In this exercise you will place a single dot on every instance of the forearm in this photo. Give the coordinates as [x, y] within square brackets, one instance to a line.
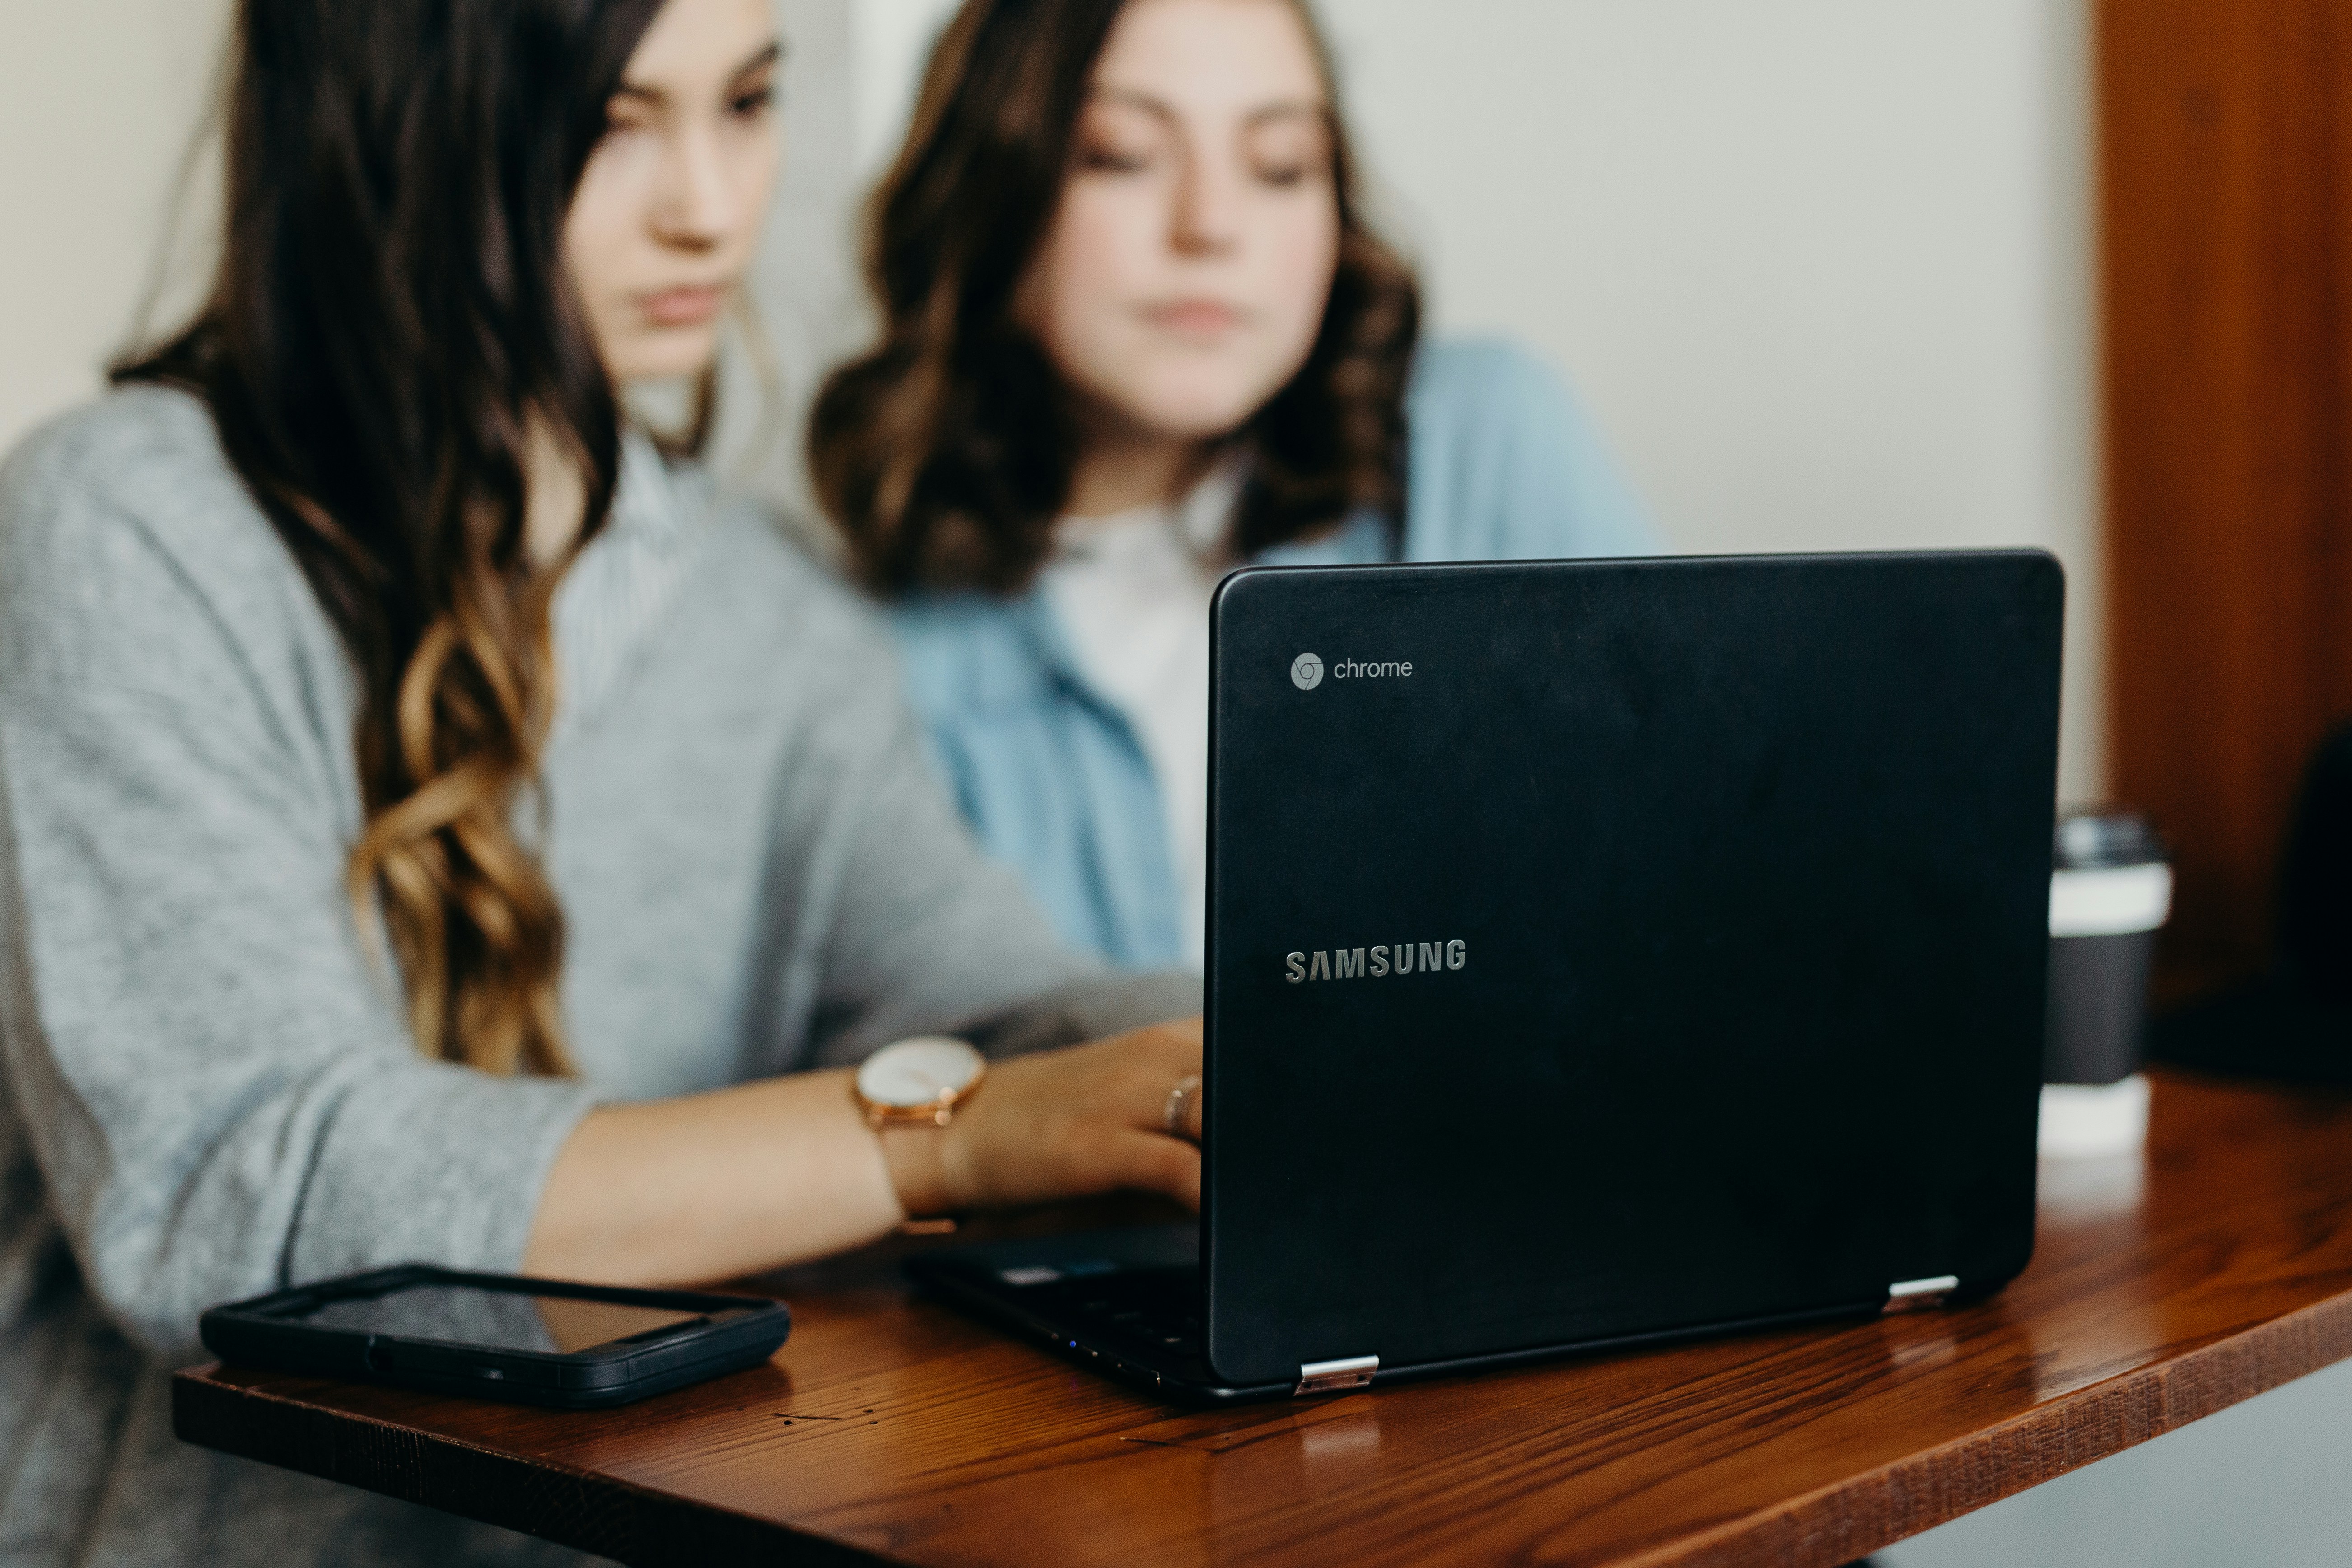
[713, 1186]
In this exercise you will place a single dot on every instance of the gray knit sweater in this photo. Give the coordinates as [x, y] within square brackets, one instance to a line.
[208, 1090]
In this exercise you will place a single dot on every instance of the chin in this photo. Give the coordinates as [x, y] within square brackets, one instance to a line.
[663, 355]
[1196, 412]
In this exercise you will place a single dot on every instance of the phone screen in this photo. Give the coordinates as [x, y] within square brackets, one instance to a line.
[498, 1319]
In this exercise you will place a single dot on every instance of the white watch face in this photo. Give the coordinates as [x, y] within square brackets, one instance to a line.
[931, 1070]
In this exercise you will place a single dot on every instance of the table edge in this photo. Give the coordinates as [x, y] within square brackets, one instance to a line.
[575, 1507]
[562, 1503]
[2098, 1421]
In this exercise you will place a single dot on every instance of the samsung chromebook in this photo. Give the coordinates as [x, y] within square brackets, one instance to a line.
[1599, 953]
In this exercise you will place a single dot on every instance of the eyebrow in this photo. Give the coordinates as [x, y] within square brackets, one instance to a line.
[1284, 109]
[759, 60]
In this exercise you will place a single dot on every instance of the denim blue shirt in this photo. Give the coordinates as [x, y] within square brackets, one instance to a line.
[1502, 465]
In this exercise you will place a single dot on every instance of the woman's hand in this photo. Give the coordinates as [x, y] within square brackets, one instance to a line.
[1061, 1125]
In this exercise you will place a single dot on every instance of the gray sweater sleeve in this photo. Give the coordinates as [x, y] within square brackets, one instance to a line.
[212, 1069]
[928, 935]
[922, 931]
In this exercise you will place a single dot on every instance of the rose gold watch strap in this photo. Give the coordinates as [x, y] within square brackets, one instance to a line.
[879, 1116]
[937, 1113]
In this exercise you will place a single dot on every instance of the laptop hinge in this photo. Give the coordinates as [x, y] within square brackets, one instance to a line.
[1330, 1376]
[1918, 1295]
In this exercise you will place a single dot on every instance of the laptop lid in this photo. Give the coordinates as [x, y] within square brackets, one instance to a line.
[1605, 948]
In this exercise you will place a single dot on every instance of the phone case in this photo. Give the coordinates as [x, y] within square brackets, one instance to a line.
[260, 1333]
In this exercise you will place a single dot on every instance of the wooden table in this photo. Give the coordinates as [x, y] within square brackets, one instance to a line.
[892, 1429]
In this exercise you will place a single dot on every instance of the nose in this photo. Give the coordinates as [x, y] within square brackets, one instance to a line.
[698, 207]
[1206, 220]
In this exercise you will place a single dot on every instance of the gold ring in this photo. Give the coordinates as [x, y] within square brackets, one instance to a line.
[1180, 1102]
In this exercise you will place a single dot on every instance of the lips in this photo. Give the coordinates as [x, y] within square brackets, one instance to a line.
[1193, 317]
[687, 306]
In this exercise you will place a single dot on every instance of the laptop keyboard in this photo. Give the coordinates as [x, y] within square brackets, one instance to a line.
[1155, 1310]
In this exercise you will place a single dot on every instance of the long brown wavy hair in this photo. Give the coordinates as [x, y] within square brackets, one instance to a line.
[945, 453]
[390, 320]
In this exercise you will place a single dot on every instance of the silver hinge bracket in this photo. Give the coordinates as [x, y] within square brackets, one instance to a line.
[1331, 1376]
[1918, 1295]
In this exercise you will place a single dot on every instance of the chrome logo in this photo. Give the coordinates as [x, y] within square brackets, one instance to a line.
[1307, 672]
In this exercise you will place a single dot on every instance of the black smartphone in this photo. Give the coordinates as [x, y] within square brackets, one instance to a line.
[499, 1336]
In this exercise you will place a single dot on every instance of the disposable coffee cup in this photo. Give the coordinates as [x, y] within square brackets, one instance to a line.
[2110, 894]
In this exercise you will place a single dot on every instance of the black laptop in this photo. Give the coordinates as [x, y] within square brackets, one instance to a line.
[1599, 953]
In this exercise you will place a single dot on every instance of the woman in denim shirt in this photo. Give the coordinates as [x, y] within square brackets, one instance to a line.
[1137, 334]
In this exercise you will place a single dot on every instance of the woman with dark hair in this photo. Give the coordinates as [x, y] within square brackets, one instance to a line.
[433, 824]
[1137, 331]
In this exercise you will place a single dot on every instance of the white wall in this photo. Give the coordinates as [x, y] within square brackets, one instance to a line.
[98, 99]
[1821, 267]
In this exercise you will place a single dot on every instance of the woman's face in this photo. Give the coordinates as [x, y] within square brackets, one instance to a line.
[670, 206]
[1183, 279]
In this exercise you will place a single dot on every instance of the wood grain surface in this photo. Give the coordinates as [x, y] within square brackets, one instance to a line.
[2225, 149]
[2162, 1288]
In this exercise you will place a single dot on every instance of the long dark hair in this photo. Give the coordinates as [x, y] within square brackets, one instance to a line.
[390, 318]
[945, 453]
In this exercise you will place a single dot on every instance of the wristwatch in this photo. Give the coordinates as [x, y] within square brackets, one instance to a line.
[918, 1082]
